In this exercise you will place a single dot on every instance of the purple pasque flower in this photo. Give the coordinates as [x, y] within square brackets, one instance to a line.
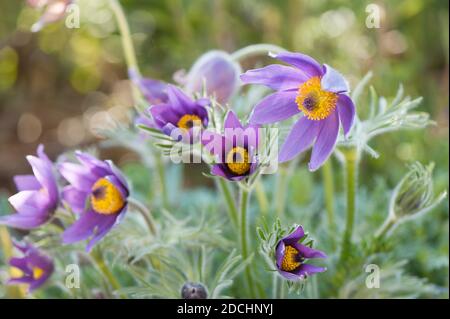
[54, 10]
[235, 151]
[98, 193]
[38, 195]
[290, 256]
[180, 115]
[33, 269]
[317, 91]
[214, 71]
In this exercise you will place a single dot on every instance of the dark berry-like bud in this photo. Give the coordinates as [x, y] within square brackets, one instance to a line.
[191, 290]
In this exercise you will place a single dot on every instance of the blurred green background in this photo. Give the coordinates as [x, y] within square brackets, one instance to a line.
[60, 86]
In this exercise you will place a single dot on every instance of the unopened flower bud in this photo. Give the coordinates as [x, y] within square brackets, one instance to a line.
[215, 72]
[191, 290]
[414, 195]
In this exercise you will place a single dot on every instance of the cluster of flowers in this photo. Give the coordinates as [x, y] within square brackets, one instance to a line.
[97, 191]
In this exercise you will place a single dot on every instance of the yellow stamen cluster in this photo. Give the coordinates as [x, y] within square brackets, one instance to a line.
[238, 161]
[188, 121]
[315, 103]
[37, 273]
[106, 198]
[290, 260]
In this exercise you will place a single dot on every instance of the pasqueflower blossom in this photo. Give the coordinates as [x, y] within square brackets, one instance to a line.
[214, 71]
[98, 193]
[317, 91]
[179, 113]
[33, 269]
[291, 255]
[235, 151]
[54, 10]
[38, 195]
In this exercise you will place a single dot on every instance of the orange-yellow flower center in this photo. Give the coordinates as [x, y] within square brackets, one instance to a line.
[106, 198]
[290, 260]
[37, 273]
[238, 161]
[188, 121]
[315, 103]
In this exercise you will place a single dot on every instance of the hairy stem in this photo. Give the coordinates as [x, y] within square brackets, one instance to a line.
[243, 224]
[351, 174]
[229, 201]
[162, 180]
[97, 257]
[385, 228]
[145, 212]
[255, 49]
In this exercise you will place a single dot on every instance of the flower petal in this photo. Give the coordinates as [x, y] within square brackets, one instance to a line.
[294, 237]
[232, 121]
[346, 110]
[308, 270]
[333, 81]
[178, 100]
[75, 198]
[325, 142]
[77, 175]
[309, 252]
[299, 139]
[275, 76]
[274, 108]
[153, 90]
[44, 174]
[24, 220]
[305, 63]
[26, 182]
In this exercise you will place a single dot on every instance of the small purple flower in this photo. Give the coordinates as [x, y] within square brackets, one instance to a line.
[98, 192]
[33, 269]
[54, 10]
[235, 151]
[290, 257]
[180, 114]
[317, 91]
[38, 195]
[214, 71]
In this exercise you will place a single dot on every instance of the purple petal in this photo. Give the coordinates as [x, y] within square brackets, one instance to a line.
[325, 142]
[275, 76]
[279, 253]
[97, 167]
[232, 121]
[26, 182]
[302, 61]
[77, 175]
[118, 174]
[299, 139]
[308, 252]
[43, 172]
[294, 237]
[346, 110]
[178, 100]
[333, 81]
[275, 107]
[308, 270]
[153, 90]
[75, 198]
[25, 220]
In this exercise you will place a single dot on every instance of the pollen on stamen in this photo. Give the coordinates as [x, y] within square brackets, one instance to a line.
[188, 121]
[106, 198]
[290, 260]
[238, 161]
[315, 103]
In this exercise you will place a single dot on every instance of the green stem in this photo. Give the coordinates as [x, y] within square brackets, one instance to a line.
[145, 212]
[244, 239]
[385, 228]
[282, 183]
[127, 43]
[229, 201]
[255, 49]
[97, 257]
[351, 174]
[262, 197]
[162, 180]
[328, 182]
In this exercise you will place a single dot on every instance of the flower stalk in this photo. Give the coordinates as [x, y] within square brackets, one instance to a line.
[243, 224]
[351, 156]
[228, 198]
[254, 50]
[328, 183]
[97, 257]
[145, 212]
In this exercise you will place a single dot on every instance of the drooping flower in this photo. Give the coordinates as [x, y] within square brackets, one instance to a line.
[214, 71]
[33, 269]
[180, 113]
[235, 151]
[98, 192]
[54, 10]
[38, 195]
[317, 91]
[291, 255]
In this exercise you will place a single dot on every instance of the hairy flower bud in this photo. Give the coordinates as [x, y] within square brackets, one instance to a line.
[191, 290]
[414, 195]
[215, 72]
